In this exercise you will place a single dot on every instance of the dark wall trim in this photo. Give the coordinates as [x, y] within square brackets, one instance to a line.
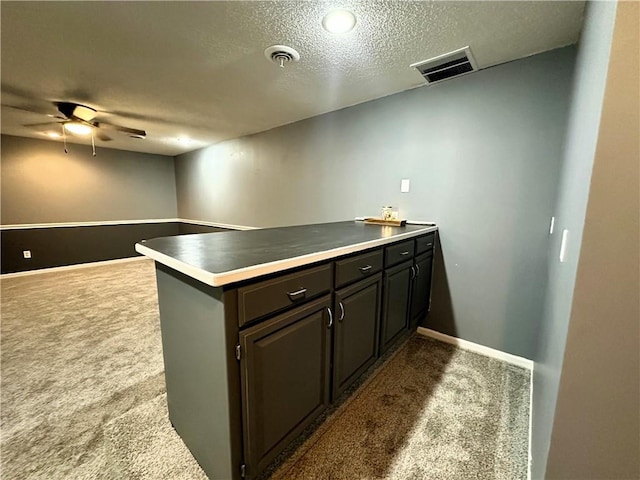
[62, 246]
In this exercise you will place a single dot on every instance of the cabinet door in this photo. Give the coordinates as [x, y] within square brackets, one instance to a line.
[285, 379]
[356, 335]
[421, 291]
[395, 309]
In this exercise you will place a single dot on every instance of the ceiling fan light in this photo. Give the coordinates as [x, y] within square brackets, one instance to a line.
[339, 21]
[78, 128]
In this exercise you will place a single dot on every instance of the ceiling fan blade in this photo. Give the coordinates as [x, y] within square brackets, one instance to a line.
[31, 110]
[103, 136]
[41, 124]
[132, 132]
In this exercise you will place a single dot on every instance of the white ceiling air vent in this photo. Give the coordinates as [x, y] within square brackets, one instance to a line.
[449, 65]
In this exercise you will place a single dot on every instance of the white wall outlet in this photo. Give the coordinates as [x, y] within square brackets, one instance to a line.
[26, 253]
[404, 185]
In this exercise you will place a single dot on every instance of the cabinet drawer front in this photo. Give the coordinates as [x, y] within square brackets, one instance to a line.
[263, 298]
[357, 268]
[399, 252]
[425, 243]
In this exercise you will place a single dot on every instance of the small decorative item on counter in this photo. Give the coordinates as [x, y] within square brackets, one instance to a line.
[388, 217]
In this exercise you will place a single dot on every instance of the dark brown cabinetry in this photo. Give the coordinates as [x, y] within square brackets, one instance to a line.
[356, 331]
[358, 267]
[269, 296]
[399, 252]
[285, 379]
[295, 363]
[397, 288]
[287, 365]
[421, 285]
[421, 288]
[425, 243]
[250, 365]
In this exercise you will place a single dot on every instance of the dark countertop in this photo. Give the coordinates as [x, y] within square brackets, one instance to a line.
[227, 257]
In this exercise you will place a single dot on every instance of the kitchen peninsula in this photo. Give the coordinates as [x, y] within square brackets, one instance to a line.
[263, 329]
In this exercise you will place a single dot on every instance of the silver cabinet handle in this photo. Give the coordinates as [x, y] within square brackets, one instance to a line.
[365, 269]
[341, 311]
[429, 244]
[297, 294]
[330, 318]
[404, 253]
[417, 269]
[413, 273]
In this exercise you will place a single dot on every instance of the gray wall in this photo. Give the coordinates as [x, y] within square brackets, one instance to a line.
[599, 396]
[40, 184]
[483, 153]
[584, 120]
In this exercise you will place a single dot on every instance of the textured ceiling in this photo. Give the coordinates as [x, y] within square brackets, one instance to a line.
[197, 69]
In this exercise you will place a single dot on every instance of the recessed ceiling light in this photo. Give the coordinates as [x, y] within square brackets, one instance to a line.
[339, 21]
[78, 128]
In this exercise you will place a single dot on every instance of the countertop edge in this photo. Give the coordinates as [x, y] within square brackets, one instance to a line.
[247, 273]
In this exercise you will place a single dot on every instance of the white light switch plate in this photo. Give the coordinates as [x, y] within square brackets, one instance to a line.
[404, 185]
[563, 245]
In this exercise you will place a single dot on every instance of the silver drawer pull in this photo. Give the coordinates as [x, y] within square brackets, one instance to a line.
[297, 294]
[404, 253]
[365, 269]
[429, 244]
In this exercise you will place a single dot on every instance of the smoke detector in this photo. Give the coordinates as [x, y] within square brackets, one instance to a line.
[281, 55]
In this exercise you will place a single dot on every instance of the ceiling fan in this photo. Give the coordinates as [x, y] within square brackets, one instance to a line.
[81, 120]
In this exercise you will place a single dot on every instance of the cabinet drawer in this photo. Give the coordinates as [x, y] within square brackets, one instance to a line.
[263, 298]
[357, 268]
[425, 243]
[398, 252]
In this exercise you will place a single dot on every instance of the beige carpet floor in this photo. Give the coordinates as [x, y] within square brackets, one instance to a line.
[82, 396]
[78, 348]
[432, 411]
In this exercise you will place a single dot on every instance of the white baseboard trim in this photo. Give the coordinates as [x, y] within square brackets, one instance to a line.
[101, 223]
[530, 424]
[215, 224]
[477, 348]
[71, 267]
